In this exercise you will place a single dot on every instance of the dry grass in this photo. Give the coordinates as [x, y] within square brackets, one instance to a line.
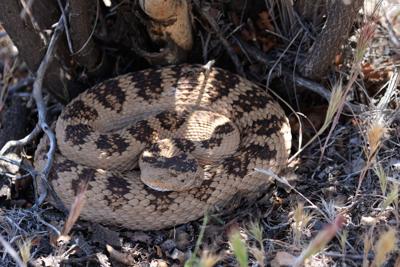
[385, 245]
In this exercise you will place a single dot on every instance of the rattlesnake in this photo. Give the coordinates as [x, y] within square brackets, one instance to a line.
[100, 131]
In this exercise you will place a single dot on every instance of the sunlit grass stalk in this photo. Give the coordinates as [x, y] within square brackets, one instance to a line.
[76, 209]
[380, 172]
[367, 248]
[193, 259]
[11, 251]
[320, 241]
[392, 197]
[334, 103]
[239, 248]
[74, 213]
[256, 232]
[375, 134]
[384, 246]
[208, 259]
[301, 220]
[343, 239]
[25, 250]
[366, 35]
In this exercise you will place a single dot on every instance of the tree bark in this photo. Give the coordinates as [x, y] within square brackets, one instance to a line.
[311, 11]
[338, 24]
[13, 121]
[82, 23]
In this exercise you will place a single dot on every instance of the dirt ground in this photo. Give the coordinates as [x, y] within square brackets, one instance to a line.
[337, 203]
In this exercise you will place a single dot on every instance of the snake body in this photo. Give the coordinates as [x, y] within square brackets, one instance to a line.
[101, 136]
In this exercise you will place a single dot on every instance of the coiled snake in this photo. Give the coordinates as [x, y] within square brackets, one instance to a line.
[159, 147]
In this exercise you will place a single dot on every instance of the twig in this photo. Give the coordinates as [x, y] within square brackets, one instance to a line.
[305, 28]
[11, 251]
[41, 107]
[284, 181]
[346, 256]
[27, 11]
[18, 143]
[315, 87]
[296, 60]
[390, 91]
[64, 17]
[83, 259]
[26, 8]
[38, 96]
[281, 56]
[204, 44]
[20, 165]
[96, 20]
[392, 35]
[15, 177]
[76, 208]
[11, 161]
[49, 225]
[322, 91]
[20, 84]
[312, 86]
[255, 52]
[366, 35]
[232, 54]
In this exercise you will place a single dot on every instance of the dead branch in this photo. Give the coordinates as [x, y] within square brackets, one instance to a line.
[216, 30]
[315, 87]
[42, 121]
[41, 106]
[338, 24]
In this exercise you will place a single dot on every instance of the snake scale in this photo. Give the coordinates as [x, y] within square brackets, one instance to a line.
[101, 136]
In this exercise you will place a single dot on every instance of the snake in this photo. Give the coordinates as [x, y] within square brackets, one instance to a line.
[162, 146]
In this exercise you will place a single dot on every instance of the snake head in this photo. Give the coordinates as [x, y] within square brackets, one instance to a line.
[164, 167]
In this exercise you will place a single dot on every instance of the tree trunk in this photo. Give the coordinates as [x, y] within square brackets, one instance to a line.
[338, 24]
